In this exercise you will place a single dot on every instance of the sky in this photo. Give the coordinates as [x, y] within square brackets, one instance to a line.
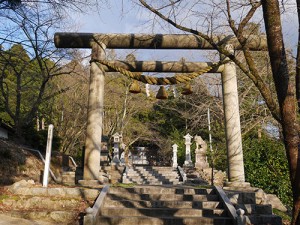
[116, 17]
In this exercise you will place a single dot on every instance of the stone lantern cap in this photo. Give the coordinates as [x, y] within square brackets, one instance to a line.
[175, 146]
[117, 137]
[188, 138]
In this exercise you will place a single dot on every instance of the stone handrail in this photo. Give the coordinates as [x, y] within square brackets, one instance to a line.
[42, 158]
[237, 215]
[182, 174]
[92, 214]
[73, 161]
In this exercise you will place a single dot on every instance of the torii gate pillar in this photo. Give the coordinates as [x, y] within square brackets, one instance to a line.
[236, 174]
[95, 116]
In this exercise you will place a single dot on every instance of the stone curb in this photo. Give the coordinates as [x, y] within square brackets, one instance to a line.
[57, 192]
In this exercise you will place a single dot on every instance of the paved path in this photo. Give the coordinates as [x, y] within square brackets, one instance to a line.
[8, 220]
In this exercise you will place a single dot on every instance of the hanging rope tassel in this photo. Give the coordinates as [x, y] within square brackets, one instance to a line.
[135, 87]
[162, 93]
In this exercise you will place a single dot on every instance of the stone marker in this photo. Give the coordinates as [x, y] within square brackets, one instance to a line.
[174, 159]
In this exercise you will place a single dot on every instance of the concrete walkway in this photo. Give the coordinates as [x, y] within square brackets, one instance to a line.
[5, 220]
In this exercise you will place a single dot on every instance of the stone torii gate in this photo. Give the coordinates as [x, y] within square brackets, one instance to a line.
[99, 42]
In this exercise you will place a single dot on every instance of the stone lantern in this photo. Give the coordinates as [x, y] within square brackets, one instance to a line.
[188, 160]
[117, 139]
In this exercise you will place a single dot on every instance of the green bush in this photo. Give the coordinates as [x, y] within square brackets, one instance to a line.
[266, 166]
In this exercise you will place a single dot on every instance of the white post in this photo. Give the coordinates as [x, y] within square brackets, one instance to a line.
[147, 90]
[188, 159]
[48, 155]
[209, 130]
[174, 159]
[232, 123]
[175, 94]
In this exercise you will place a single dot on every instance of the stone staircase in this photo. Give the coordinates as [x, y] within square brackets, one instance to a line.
[158, 205]
[151, 175]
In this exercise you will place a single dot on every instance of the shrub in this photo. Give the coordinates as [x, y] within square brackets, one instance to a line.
[266, 166]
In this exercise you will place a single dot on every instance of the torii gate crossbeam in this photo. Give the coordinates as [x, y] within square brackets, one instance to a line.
[99, 42]
[154, 41]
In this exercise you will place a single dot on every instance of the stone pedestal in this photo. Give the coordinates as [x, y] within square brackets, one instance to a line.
[237, 184]
[200, 158]
[68, 178]
[200, 153]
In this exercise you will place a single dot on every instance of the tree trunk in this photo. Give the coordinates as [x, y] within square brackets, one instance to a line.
[286, 97]
[298, 59]
[126, 156]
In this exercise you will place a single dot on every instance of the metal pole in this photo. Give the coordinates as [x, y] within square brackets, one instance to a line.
[48, 155]
[210, 147]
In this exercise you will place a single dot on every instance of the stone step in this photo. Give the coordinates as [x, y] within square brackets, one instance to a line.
[152, 176]
[147, 176]
[154, 167]
[265, 220]
[149, 179]
[39, 203]
[145, 182]
[163, 212]
[140, 179]
[164, 221]
[152, 171]
[90, 194]
[127, 181]
[166, 170]
[163, 204]
[164, 190]
[59, 217]
[256, 209]
[140, 182]
[163, 197]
